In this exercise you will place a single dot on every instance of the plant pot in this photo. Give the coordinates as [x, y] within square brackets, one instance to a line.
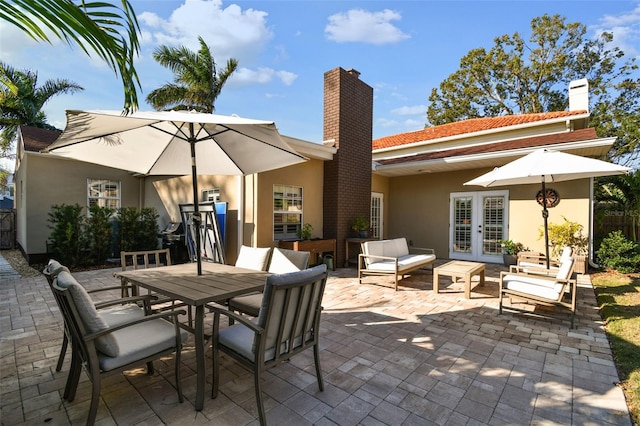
[363, 234]
[580, 266]
[510, 259]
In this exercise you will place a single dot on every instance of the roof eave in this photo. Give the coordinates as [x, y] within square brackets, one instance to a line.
[489, 159]
[483, 132]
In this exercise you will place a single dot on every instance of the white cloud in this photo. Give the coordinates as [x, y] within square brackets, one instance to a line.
[262, 75]
[385, 122]
[410, 110]
[625, 29]
[230, 32]
[359, 25]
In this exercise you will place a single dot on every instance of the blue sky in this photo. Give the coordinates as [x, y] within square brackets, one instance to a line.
[402, 49]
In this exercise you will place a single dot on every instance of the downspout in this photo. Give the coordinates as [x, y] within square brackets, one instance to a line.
[241, 207]
[591, 225]
[141, 191]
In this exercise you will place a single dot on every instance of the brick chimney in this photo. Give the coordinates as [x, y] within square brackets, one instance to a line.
[348, 123]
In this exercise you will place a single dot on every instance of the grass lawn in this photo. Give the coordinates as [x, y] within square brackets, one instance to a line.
[619, 300]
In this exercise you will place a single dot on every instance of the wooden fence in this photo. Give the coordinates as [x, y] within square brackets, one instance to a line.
[7, 229]
[614, 220]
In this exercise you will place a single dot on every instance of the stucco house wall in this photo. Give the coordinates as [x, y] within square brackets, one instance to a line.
[53, 181]
[419, 208]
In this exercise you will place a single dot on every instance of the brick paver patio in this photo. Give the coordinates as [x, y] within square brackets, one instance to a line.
[389, 358]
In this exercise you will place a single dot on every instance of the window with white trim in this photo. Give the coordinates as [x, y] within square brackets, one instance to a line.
[103, 193]
[211, 195]
[287, 211]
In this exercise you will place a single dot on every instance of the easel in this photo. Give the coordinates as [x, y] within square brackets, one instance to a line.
[211, 230]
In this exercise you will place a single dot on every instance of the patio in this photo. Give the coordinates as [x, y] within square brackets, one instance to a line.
[410, 357]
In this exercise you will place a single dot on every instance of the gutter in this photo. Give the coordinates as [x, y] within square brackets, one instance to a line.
[592, 228]
[486, 132]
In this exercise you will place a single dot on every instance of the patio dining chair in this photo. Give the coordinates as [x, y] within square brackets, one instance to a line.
[114, 311]
[145, 259]
[142, 259]
[288, 323]
[103, 350]
[540, 289]
[282, 261]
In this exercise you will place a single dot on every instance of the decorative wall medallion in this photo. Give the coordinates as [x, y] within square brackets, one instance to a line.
[552, 196]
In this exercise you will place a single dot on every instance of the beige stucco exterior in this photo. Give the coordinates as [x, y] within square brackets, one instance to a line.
[418, 208]
[249, 198]
[54, 181]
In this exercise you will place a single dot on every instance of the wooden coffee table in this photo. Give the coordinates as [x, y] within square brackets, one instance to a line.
[459, 269]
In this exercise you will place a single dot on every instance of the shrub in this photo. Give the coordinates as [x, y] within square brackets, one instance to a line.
[98, 233]
[138, 229]
[567, 234]
[66, 237]
[619, 253]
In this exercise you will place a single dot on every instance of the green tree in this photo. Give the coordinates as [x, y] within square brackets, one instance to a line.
[197, 82]
[518, 77]
[99, 27]
[621, 192]
[22, 100]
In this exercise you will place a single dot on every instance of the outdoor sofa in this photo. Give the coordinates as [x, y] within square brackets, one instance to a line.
[392, 257]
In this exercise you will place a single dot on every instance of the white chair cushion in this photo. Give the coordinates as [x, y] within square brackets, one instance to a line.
[248, 304]
[565, 269]
[88, 313]
[284, 261]
[255, 258]
[120, 314]
[534, 286]
[54, 268]
[566, 254]
[240, 338]
[140, 341]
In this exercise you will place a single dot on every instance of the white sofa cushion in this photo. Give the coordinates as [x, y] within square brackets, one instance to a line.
[404, 262]
[396, 247]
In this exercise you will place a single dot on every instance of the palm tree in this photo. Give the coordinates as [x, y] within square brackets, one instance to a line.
[97, 27]
[622, 192]
[21, 101]
[196, 84]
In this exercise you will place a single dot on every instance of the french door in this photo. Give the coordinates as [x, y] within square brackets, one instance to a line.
[478, 221]
[377, 207]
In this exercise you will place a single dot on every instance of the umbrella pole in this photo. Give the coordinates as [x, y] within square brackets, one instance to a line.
[545, 216]
[196, 208]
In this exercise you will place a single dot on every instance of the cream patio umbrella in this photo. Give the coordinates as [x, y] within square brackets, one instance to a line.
[543, 166]
[174, 143]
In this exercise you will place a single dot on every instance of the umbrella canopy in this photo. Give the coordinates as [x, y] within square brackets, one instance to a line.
[174, 143]
[547, 165]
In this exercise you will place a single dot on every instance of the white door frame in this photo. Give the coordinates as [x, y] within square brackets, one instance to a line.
[377, 226]
[483, 245]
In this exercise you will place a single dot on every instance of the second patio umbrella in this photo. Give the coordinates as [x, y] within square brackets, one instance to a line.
[543, 166]
[174, 143]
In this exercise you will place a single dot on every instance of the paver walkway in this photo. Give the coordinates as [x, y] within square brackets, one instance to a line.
[389, 358]
[7, 273]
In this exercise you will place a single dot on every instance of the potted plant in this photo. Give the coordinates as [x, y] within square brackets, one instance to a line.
[569, 234]
[510, 250]
[361, 225]
[305, 231]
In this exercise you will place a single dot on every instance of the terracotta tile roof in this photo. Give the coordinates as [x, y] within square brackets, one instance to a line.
[536, 141]
[467, 126]
[36, 139]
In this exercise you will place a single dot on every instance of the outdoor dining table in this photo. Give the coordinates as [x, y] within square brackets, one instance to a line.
[217, 283]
